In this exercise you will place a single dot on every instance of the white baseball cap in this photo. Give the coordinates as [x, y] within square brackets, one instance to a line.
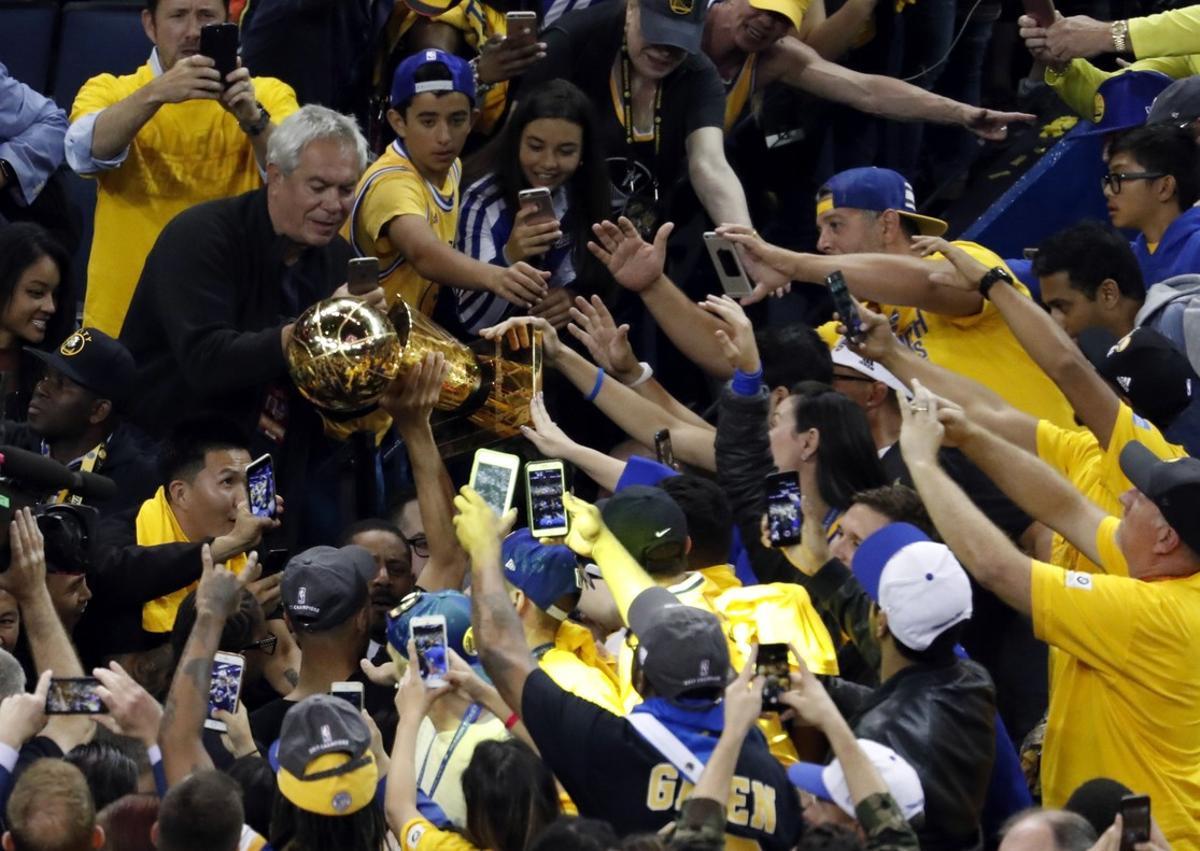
[845, 356]
[918, 583]
[828, 782]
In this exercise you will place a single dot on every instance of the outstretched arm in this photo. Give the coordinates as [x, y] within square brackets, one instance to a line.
[717, 185]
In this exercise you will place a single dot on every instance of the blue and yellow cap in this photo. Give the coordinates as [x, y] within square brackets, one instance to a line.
[405, 86]
[545, 573]
[876, 189]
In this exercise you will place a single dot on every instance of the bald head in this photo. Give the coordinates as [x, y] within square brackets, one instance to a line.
[1047, 830]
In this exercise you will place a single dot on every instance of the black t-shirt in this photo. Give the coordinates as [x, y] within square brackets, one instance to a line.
[612, 773]
[581, 47]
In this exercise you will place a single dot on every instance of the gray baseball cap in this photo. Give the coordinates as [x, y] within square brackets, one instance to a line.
[324, 586]
[680, 648]
[1178, 104]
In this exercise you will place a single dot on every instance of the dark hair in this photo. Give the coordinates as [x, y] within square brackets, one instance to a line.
[572, 833]
[588, 191]
[847, 461]
[294, 829]
[1166, 149]
[791, 354]
[829, 837]
[939, 652]
[152, 6]
[1071, 831]
[110, 772]
[709, 518]
[239, 629]
[898, 503]
[184, 453]
[127, 822]
[426, 73]
[203, 812]
[370, 524]
[21, 245]
[510, 795]
[257, 781]
[1090, 253]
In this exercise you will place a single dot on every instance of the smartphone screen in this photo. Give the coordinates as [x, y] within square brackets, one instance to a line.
[362, 275]
[74, 696]
[846, 309]
[224, 688]
[545, 486]
[429, 635]
[219, 42]
[662, 447]
[260, 482]
[350, 692]
[772, 663]
[784, 519]
[1135, 820]
[494, 482]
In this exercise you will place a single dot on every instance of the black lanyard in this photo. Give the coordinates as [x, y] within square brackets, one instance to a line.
[627, 104]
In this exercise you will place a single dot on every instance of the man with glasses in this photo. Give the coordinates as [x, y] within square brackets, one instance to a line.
[1150, 187]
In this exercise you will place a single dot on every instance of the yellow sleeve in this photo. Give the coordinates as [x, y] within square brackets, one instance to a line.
[1173, 33]
[398, 193]
[276, 96]
[1073, 452]
[990, 259]
[421, 835]
[1092, 616]
[1128, 428]
[1078, 82]
[97, 93]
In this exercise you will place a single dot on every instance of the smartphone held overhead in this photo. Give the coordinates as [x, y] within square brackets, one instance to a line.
[494, 478]
[433, 656]
[545, 484]
[225, 687]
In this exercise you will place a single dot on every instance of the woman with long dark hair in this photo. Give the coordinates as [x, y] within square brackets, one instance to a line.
[550, 143]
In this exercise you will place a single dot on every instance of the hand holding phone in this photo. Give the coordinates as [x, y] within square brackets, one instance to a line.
[843, 303]
[494, 478]
[545, 483]
[1135, 821]
[362, 275]
[728, 264]
[225, 687]
[540, 199]
[521, 28]
[219, 42]
[260, 482]
[433, 657]
[784, 517]
[74, 696]
[349, 691]
[772, 664]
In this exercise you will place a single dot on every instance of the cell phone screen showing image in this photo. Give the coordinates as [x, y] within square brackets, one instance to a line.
[74, 696]
[783, 509]
[432, 658]
[226, 683]
[772, 663]
[260, 481]
[662, 448]
[492, 483]
[545, 499]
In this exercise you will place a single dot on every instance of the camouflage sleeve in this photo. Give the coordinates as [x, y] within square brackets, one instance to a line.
[701, 825]
[884, 825]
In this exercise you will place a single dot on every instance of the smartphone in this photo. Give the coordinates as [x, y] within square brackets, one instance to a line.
[225, 687]
[545, 482]
[521, 27]
[844, 304]
[1135, 820]
[350, 692]
[728, 265]
[494, 477]
[362, 275]
[772, 664]
[433, 660]
[662, 447]
[260, 482]
[539, 198]
[219, 42]
[784, 519]
[74, 696]
[1042, 11]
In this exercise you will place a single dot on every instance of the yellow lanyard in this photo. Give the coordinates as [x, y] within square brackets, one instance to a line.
[87, 464]
[627, 103]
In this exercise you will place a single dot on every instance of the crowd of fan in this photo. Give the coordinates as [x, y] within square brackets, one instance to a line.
[988, 616]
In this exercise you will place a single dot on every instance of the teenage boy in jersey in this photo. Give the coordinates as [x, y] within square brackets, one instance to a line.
[406, 205]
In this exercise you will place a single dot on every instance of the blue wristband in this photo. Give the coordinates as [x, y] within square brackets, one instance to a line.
[746, 383]
[596, 388]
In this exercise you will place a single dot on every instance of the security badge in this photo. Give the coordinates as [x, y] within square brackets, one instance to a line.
[74, 344]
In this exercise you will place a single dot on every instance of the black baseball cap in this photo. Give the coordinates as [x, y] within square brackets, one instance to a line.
[1172, 485]
[1155, 376]
[1178, 104]
[94, 360]
[323, 760]
[650, 525]
[680, 648]
[323, 586]
[675, 23]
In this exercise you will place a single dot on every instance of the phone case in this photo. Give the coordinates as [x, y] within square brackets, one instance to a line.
[725, 260]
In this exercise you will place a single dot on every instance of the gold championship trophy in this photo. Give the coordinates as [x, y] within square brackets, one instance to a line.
[344, 353]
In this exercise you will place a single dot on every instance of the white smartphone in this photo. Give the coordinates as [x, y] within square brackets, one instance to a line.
[350, 692]
[545, 483]
[260, 482]
[728, 265]
[521, 27]
[225, 688]
[433, 659]
[539, 198]
[494, 477]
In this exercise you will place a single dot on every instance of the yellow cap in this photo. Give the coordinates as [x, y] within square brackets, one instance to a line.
[338, 793]
[793, 10]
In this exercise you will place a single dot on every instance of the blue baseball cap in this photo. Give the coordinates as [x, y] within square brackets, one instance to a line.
[1123, 101]
[545, 573]
[405, 87]
[876, 189]
[453, 605]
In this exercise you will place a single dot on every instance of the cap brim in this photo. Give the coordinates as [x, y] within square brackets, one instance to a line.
[646, 605]
[682, 32]
[1138, 464]
[808, 776]
[1101, 129]
[926, 225]
[54, 359]
[789, 10]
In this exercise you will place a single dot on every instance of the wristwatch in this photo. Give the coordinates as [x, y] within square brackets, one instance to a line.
[1120, 36]
[991, 278]
[259, 124]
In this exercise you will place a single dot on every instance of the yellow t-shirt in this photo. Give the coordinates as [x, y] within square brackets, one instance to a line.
[574, 663]
[392, 187]
[186, 154]
[1124, 704]
[422, 835]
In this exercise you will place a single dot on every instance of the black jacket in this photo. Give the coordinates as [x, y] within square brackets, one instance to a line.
[940, 719]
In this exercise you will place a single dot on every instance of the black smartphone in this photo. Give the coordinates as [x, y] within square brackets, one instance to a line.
[362, 275]
[219, 42]
[260, 481]
[74, 696]
[1135, 820]
[1042, 11]
[846, 309]
[662, 447]
[784, 519]
[772, 663]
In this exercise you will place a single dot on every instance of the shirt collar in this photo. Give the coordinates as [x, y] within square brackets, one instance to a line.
[155, 63]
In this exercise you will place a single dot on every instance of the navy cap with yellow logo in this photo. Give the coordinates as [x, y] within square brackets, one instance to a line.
[1123, 101]
[95, 361]
[675, 23]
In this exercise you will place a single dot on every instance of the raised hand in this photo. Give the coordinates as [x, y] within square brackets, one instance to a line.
[479, 529]
[736, 339]
[545, 434]
[743, 698]
[520, 283]
[133, 711]
[807, 698]
[555, 307]
[921, 433]
[23, 715]
[220, 589]
[606, 341]
[411, 398]
[586, 525]
[518, 332]
[191, 78]
[26, 575]
[531, 238]
[238, 96]
[634, 263]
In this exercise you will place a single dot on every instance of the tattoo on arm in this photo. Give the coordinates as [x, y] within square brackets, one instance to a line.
[292, 677]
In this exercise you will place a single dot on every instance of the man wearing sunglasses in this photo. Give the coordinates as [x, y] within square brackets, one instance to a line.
[1150, 187]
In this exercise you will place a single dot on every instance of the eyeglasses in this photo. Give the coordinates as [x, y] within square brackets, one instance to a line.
[1112, 180]
[266, 645]
[419, 544]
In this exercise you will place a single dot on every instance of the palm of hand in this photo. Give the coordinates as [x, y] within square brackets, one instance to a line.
[636, 265]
